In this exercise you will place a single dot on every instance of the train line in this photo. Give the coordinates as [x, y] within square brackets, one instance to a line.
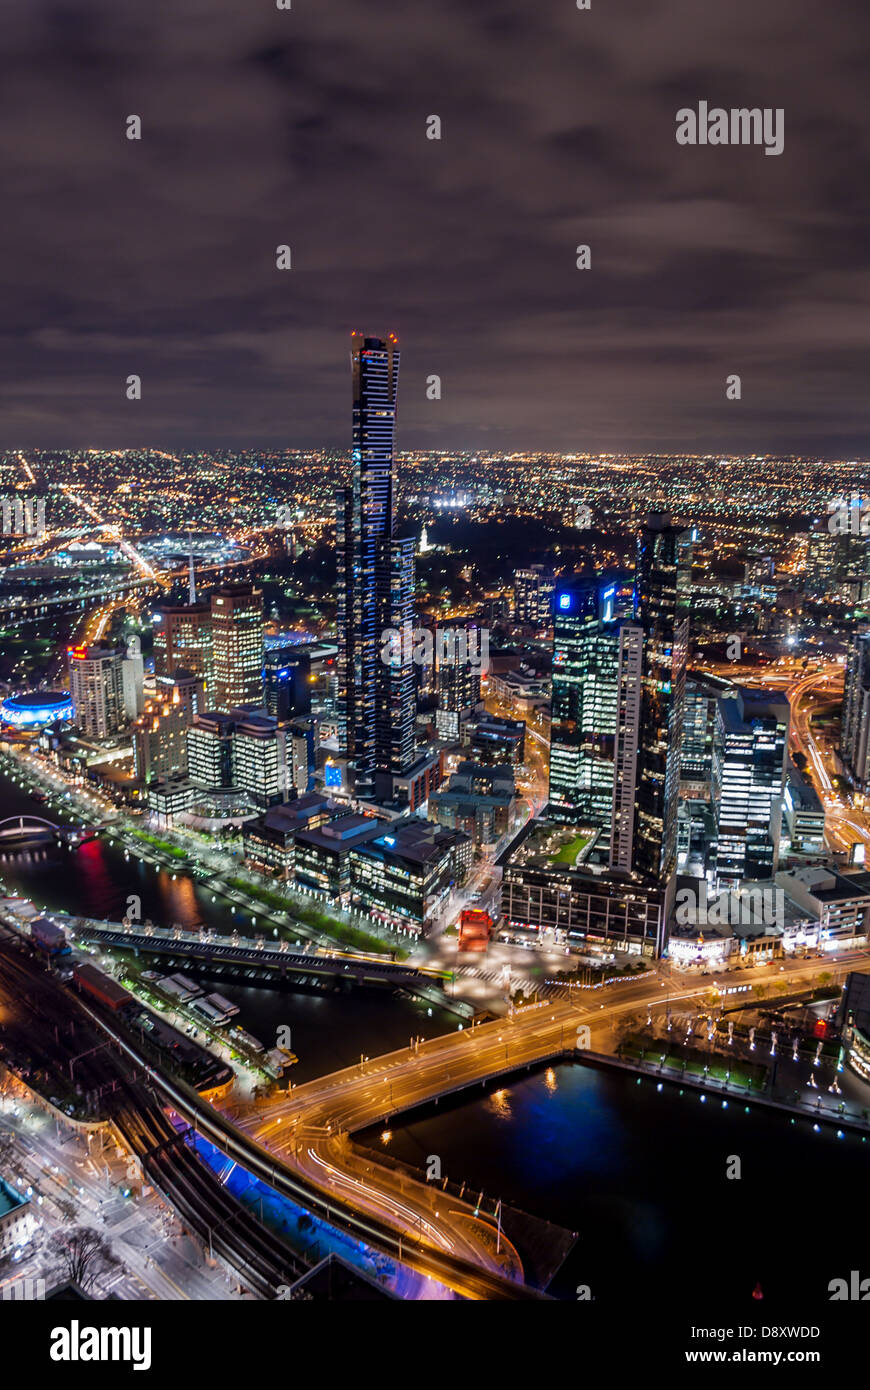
[262, 1260]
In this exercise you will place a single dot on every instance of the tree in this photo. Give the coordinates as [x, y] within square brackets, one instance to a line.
[82, 1255]
[66, 1208]
[627, 1024]
[7, 1148]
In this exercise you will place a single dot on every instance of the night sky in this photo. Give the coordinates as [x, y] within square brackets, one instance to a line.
[264, 127]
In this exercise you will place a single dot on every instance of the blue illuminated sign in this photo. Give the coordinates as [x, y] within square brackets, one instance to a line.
[30, 711]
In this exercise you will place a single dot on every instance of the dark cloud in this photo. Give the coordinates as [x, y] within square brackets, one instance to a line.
[307, 127]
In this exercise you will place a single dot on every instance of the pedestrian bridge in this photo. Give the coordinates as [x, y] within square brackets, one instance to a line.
[27, 829]
[269, 958]
[20, 827]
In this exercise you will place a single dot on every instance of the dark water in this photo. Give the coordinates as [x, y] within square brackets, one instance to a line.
[328, 1031]
[640, 1175]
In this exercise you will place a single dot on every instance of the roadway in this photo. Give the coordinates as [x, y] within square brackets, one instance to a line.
[309, 1128]
[843, 825]
[138, 1111]
[300, 1143]
[159, 1261]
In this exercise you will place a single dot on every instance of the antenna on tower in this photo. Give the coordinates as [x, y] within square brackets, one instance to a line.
[192, 583]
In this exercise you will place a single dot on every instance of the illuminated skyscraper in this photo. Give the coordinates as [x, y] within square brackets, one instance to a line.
[533, 595]
[182, 638]
[376, 700]
[749, 770]
[237, 647]
[96, 686]
[583, 727]
[457, 684]
[651, 693]
[855, 736]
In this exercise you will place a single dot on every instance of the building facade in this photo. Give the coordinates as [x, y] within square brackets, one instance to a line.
[182, 637]
[651, 695]
[287, 682]
[583, 721]
[749, 768]
[160, 734]
[97, 690]
[237, 647]
[376, 692]
[855, 728]
[406, 873]
[533, 595]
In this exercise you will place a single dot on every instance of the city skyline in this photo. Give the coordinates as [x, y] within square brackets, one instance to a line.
[435, 673]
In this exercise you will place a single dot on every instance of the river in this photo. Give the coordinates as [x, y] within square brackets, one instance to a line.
[641, 1175]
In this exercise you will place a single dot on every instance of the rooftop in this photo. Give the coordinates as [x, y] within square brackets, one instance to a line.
[826, 885]
[10, 1199]
[342, 833]
[417, 841]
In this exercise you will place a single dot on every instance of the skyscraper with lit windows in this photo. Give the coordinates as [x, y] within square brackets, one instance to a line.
[653, 651]
[583, 724]
[237, 647]
[376, 699]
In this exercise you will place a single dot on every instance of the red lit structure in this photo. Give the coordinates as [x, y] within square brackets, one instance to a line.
[475, 929]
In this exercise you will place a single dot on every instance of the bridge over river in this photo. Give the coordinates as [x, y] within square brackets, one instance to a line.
[255, 955]
[22, 831]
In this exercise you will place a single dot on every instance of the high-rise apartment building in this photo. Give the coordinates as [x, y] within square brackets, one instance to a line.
[651, 693]
[97, 689]
[376, 699]
[533, 595]
[160, 734]
[457, 687]
[855, 728]
[703, 694]
[749, 770]
[182, 638]
[583, 720]
[237, 647]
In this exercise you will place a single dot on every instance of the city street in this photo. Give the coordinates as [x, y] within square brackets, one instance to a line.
[88, 1173]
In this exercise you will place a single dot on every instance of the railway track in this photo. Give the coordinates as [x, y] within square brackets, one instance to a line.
[262, 1260]
[245, 1252]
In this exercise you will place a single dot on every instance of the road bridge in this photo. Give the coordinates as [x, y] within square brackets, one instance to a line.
[442, 1247]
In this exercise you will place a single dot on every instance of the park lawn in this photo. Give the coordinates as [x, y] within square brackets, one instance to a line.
[568, 853]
